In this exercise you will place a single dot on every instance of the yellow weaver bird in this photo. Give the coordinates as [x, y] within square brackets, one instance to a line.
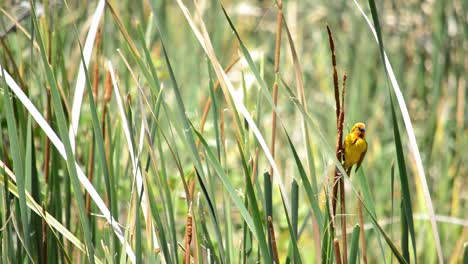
[355, 147]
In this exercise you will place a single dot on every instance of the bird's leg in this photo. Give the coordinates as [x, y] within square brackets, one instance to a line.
[348, 171]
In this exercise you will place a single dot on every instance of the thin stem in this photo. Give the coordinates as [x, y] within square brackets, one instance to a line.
[338, 113]
[336, 246]
[279, 22]
[362, 233]
[188, 236]
[273, 240]
[343, 222]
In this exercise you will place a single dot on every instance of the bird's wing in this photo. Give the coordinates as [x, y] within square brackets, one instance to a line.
[349, 141]
[361, 159]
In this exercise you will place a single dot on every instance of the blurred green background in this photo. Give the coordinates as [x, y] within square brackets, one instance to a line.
[426, 43]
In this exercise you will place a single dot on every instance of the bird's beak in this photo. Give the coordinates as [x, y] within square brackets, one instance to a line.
[362, 130]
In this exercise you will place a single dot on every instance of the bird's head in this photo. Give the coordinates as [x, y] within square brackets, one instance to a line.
[359, 129]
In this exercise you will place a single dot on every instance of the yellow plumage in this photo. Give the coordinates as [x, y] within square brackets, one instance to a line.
[355, 147]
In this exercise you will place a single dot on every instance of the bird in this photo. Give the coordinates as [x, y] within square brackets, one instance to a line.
[355, 147]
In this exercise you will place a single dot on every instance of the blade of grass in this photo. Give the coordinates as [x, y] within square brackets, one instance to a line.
[295, 213]
[213, 214]
[36, 208]
[465, 253]
[229, 89]
[407, 121]
[297, 255]
[16, 151]
[301, 92]
[311, 196]
[367, 196]
[134, 153]
[408, 223]
[157, 219]
[61, 150]
[81, 79]
[34, 188]
[99, 136]
[138, 249]
[404, 232]
[327, 236]
[71, 166]
[268, 204]
[253, 223]
[256, 215]
[353, 253]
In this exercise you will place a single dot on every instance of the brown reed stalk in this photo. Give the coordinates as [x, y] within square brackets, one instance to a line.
[338, 111]
[335, 74]
[279, 23]
[362, 234]
[188, 236]
[338, 181]
[273, 240]
[336, 246]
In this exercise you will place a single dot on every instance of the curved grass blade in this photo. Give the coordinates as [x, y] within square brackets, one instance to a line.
[311, 196]
[97, 133]
[257, 217]
[367, 196]
[253, 224]
[408, 223]
[228, 88]
[81, 80]
[295, 213]
[133, 152]
[465, 253]
[327, 236]
[157, 219]
[213, 215]
[301, 92]
[16, 151]
[407, 121]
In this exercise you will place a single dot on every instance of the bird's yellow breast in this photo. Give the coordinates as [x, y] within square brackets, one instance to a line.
[354, 146]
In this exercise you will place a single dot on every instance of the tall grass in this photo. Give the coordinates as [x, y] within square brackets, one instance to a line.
[205, 132]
